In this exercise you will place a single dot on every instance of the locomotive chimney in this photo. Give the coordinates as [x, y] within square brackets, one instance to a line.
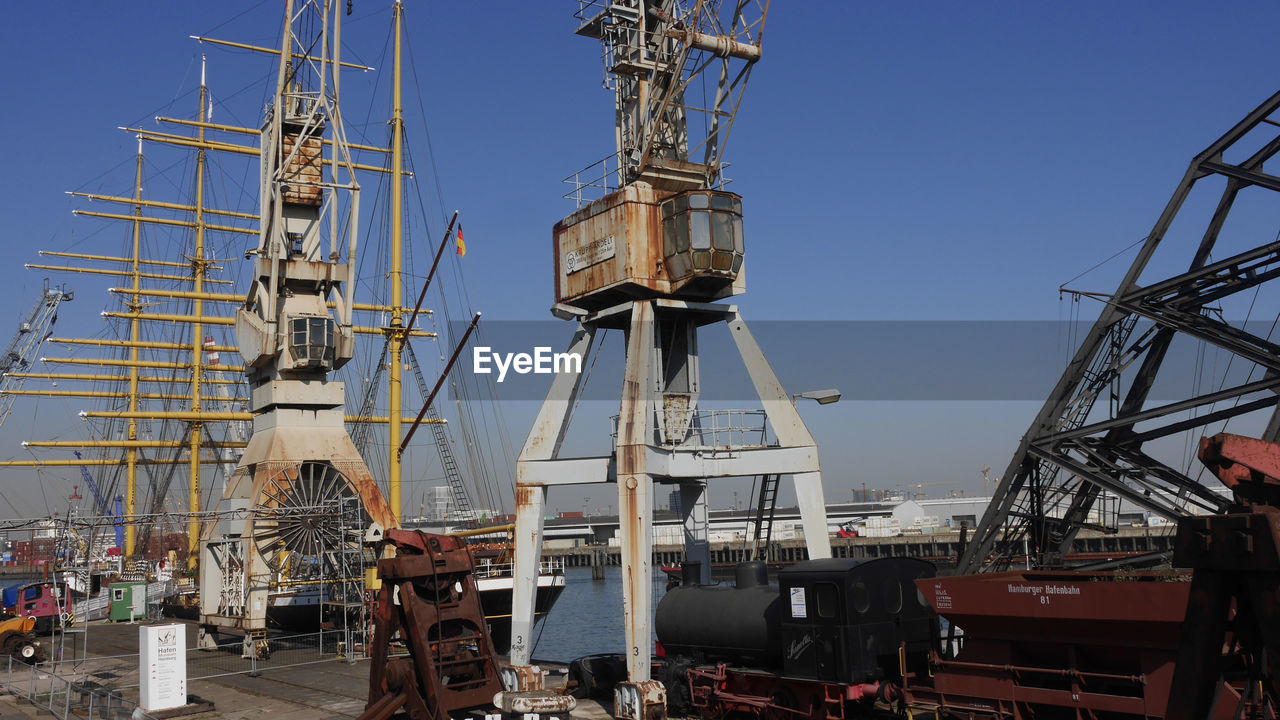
[690, 573]
[751, 574]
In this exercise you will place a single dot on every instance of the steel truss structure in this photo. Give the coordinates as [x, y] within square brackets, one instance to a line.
[1076, 450]
[655, 54]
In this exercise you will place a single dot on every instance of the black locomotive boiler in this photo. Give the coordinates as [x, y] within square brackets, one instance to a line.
[818, 642]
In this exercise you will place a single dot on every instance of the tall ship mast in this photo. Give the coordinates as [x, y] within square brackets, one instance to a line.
[174, 402]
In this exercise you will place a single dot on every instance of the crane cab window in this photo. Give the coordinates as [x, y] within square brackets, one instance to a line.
[702, 235]
[311, 341]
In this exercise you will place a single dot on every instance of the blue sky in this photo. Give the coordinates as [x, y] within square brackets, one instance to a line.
[899, 161]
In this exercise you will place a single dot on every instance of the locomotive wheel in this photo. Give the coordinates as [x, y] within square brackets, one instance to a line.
[782, 700]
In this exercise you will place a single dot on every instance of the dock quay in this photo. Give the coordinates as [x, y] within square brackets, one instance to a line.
[303, 678]
[941, 548]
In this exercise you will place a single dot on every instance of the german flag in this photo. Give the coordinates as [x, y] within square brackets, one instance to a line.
[462, 244]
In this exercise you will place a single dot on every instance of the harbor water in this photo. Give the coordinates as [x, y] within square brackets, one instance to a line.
[587, 619]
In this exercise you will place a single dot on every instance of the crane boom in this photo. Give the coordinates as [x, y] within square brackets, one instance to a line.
[33, 330]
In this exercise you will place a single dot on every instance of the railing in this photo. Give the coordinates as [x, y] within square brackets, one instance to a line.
[66, 697]
[489, 569]
[593, 181]
[588, 9]
[721, 430]
[95, 686]
[225, 659]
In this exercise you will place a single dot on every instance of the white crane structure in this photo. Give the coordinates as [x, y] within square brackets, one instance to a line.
[300, 469]
[651, 258]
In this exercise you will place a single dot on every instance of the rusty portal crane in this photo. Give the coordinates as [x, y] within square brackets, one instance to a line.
[300, 470]
[651, 258]
[1089, 436]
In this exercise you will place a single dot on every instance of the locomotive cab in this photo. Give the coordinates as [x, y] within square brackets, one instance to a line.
[843, 619]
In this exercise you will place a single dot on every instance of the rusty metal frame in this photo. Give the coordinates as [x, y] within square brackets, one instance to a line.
[429, 603]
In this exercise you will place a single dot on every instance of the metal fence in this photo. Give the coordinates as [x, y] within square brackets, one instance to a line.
[80, 687]
[121, 671]
[65, 697]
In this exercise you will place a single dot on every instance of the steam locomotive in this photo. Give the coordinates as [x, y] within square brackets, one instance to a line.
[817, 644]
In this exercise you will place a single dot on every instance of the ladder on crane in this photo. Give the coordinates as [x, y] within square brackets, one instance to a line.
[32, 331]
[764, 516]
[452, 473]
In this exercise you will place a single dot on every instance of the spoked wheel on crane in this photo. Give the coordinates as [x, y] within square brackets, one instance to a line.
[301, 532]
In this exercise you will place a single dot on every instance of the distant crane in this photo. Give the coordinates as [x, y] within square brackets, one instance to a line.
[34, 328]
[101, 504]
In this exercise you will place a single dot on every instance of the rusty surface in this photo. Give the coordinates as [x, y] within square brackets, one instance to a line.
[522, 678]
[271, 451]
[642, 700]
[630, 216]
[302, 176]
[1236, 560]
[1250, 467]
[536, 701]
[634, 506]
[1041, 642]
[438, 619]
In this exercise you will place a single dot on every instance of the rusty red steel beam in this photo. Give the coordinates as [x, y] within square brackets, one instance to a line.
[1239, 460]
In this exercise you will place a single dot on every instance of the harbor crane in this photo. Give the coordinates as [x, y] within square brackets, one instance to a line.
[300, 472]
[33, 329]
[101, 503]
[652, 258]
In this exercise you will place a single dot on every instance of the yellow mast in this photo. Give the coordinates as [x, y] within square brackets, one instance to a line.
[197, 338]
[131, 457]
[395, 334]
[138, 270]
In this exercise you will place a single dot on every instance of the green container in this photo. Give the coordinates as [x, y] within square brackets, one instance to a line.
[128, 601]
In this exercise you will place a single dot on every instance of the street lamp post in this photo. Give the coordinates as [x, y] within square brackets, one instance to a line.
[822, 397]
